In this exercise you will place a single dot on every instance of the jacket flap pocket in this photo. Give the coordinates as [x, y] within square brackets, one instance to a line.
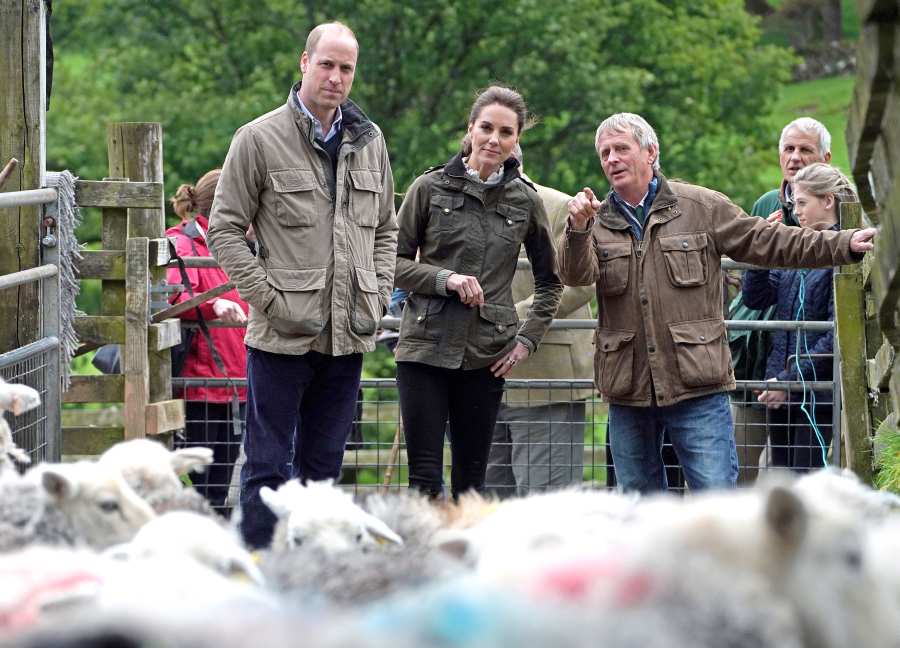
[612, 339]
[366, 180]
[368, 280]
[697, 332]
[288, 180]
[682, 242]
[498, 314]
[512, 213]
[296, 280]
[454, 201]
[607, 251]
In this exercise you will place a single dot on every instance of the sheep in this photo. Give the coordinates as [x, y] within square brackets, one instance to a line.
[80, 503]
[832, 487]
[319, 513]
[15, 398]
[154, 471]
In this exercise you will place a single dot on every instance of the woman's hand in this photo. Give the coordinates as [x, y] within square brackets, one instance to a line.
[228, 311]
[772, 399]
[861, 241]
[503, 366]
[468, 289]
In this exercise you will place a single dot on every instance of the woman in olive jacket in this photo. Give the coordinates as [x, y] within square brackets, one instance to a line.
[461, 227]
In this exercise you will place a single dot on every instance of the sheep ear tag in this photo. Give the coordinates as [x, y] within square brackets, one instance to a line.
[381, 531]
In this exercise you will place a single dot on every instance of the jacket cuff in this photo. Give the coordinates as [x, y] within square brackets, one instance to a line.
[528, 343]
[440, 282]
[570, 229]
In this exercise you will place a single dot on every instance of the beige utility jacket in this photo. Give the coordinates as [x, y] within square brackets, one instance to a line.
[660, 322]
[564, 353]
[327, 242]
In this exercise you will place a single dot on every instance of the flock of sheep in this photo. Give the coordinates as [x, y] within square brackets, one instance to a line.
[117, 552]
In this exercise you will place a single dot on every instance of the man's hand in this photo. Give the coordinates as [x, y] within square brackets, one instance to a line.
[861, 241]
[582, 208]
[505, 364]
[468, 289]
[775, 217]
[772, 399]
[228, 311]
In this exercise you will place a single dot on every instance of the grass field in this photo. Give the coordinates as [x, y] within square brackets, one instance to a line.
[827, 100]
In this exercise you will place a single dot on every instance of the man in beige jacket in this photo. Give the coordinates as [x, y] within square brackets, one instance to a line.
[539, 437]
[313, 179]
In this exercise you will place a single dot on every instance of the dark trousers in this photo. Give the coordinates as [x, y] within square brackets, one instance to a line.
[429, 397]
[794, 441]
[210, 425]
[299, 411]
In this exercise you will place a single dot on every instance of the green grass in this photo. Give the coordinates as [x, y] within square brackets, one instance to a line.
[827, 100]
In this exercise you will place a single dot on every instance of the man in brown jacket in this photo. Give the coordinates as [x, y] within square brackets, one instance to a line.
[653, 249]
[539, 437]
[313, 178]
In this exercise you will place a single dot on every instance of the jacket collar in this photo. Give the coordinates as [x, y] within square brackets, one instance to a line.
[455, 168]
[354, 123]
[664, 199]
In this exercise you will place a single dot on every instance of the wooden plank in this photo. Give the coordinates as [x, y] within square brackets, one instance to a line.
[95, 389]
[164, 334]
[165, 416]
[117, 193]
[159, 252]
[92, 440]
[100, 329]
[102, 264]
[193, 302]
[137, 320]
[851, 345]
[114, 223]
[881, 366]
[887, 284]
[22, 136]
[135, 152]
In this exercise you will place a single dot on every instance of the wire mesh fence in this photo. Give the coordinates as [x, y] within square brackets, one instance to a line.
[34, 365]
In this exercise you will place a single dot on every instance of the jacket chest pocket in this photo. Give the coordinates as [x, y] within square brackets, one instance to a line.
[614, 266]
[614, 371]
[510, 223]
[364, 196]
[685, 256]
[445, 211]
[701, 351]
[295, 201]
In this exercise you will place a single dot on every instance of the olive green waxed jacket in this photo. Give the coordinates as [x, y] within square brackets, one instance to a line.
[450, 223]
[660, 323]
[323, 274]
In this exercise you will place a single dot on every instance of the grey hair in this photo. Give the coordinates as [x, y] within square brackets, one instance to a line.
[821, 179]
[811, 127]
[624, 122]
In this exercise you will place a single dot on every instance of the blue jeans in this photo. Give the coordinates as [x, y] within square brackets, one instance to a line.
[702, 433]
[299, 413]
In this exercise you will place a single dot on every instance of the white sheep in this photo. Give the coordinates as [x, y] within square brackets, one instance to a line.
[319, 513]
[15, 398]
[80, 503]
[835, 488]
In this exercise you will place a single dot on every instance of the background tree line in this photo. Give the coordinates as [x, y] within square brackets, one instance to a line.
[697, 70]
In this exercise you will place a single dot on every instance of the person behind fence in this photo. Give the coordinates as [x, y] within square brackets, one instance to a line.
[460, 332]
[314, 180]
[652, 248]
[539, 437]
[803, 141]
[208, 408]
[800, 422]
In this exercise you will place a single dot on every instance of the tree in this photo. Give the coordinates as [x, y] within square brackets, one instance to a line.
[203, 68]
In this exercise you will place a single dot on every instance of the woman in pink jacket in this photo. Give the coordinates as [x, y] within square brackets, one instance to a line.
[209, 410]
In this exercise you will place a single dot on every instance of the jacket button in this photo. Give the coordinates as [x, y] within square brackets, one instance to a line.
[651, 349]
[446, 211]
[446, 182]
[508, 221]
[684, 244]
[644, 301]
[420, 318]
[605, 253]
[501, 328]
[703, 338]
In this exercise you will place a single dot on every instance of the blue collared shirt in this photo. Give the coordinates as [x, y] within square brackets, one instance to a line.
[635, 218]
[335, 124]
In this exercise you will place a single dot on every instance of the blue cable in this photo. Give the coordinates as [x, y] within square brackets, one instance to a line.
[811, 417]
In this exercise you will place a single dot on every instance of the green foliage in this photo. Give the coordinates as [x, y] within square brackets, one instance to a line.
[696, 71]
[888, 458]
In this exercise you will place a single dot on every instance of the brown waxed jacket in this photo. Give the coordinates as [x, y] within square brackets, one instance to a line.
[327, 243]
[660, 298]
[457, 224]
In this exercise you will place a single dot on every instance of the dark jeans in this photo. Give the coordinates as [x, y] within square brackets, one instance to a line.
[429, 397]
[210, 425]
[794, 442]
[299, 411]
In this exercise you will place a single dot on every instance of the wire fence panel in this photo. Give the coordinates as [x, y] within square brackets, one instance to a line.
[34, 365]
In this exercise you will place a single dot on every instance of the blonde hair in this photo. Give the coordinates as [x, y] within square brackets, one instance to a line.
[196, 199]
[821, 179]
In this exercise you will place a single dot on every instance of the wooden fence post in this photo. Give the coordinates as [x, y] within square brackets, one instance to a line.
[22, 125]
[135, 363]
